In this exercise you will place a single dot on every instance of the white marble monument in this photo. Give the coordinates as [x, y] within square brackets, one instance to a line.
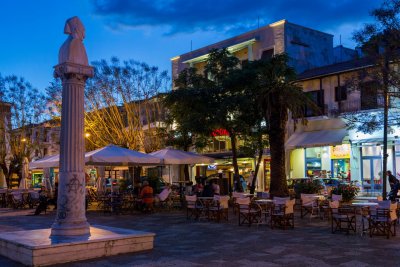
[71, 238]
[73, 69]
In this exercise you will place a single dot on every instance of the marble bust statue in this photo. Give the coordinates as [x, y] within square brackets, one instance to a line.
[73, 50]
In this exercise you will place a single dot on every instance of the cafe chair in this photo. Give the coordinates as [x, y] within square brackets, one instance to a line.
[34, 199]
[282, 214]
[17, 200]
[219, 208]
[383, 222]
[248, 213]
[191, 207]
[309, 205]
[343, 219]
[236, 195]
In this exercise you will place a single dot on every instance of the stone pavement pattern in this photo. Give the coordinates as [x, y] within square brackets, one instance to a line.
[189, 243]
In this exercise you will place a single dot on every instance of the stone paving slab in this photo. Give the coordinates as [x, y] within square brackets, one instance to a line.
[180, 242]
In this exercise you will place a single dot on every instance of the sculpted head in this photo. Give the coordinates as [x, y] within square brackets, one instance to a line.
[75, 28]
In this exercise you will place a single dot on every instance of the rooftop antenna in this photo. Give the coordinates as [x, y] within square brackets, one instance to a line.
[340, 39]
[191, 45]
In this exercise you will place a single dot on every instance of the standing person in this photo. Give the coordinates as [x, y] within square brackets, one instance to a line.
[146, 194]
[394, 186]
[250, 179]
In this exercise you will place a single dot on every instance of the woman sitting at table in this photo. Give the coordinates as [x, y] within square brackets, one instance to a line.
[208, 190]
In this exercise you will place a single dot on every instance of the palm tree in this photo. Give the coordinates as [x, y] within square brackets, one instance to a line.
[279, 97]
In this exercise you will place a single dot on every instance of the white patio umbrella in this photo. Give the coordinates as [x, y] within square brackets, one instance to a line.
[3, 182]
[46, 162]
[110, 155]
[172, 156]
[25, 173]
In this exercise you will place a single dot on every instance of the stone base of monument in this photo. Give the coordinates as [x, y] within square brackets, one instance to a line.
[37, 248]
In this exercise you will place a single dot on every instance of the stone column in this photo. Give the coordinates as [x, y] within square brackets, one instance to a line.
[73, 70]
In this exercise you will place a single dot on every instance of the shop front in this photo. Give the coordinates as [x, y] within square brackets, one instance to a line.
[323, 162]
[323, 153]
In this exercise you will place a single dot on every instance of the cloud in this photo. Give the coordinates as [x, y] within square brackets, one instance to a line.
[235, 16]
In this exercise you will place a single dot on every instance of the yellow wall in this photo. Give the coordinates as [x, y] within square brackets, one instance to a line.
[297, 163]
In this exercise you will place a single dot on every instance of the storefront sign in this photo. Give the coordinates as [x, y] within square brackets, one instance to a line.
[340, 151]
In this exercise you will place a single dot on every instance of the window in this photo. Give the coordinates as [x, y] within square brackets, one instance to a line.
[340, 93]
[45, 151]
[267, 54]
[318, 98]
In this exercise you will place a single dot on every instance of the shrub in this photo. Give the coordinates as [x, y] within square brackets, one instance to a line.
[308, 187]
[347, 191]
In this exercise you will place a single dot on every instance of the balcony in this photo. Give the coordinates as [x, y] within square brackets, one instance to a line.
[356, 105]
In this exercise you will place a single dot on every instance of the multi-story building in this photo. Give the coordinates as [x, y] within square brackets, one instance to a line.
[325, 147]
[307, 49]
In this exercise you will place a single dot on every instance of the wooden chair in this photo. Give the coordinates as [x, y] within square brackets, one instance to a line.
[34, 199]
[282, 215]
[343, 219]
[219, 208]
[17, 200]
[191, 207]
[236, 195]
[383, 221]
[309, 205]
[248, 213]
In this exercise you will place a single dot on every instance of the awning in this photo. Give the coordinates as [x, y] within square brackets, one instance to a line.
[316, 138]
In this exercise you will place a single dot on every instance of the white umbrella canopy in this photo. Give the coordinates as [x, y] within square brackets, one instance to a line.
[110, 155]
[46, 162]
[117, 156]
[172, 156]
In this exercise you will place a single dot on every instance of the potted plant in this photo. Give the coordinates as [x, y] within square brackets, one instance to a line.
[348, 191]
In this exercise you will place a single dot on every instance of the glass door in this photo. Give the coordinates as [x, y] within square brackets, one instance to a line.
[372, 174]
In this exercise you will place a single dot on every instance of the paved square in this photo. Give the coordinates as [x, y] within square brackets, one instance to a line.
[190, 243]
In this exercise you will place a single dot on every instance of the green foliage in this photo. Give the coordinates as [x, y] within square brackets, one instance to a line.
[307, 187]
[348, 192]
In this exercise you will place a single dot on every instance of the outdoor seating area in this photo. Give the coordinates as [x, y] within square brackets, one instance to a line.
[19, 198]
[360, 217]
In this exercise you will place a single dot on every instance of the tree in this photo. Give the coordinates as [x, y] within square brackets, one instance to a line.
[184, 131]
[380, 41]
[123, 107]
[279, 96]
[212, 100]
[24, 113]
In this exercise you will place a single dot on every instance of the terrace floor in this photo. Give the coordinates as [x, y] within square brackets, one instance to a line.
[180, 242]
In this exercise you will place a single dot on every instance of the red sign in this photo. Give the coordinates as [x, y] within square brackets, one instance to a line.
[220, 132]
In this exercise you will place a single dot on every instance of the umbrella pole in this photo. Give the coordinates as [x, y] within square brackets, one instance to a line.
[169, 170]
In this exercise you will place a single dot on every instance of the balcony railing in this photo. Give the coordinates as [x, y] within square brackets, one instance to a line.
[356, 105]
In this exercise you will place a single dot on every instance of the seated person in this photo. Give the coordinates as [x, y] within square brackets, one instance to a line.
[198, 187]
[146, 194]
[208, 190]
[43, 201]
[216, 187]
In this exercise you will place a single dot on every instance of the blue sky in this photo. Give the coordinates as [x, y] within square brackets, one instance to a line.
[153, 31]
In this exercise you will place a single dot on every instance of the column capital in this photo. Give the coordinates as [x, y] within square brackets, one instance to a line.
[66, 70]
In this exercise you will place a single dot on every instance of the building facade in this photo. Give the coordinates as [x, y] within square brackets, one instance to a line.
[324, 147]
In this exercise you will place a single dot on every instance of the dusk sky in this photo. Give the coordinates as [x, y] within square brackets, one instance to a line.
[153, 31]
